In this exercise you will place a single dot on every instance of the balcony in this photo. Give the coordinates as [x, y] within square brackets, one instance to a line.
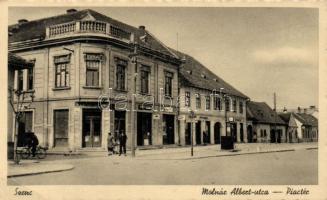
[96, 28]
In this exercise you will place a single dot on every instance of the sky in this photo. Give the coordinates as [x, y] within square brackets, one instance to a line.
[259, 51]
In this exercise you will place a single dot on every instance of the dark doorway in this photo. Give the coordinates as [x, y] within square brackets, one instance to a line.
[206, 134]
[25, 125]
[61, 128]
[241, 132]
[169, 129]
[233, 131]
[198, 132]
[250, 134]
[188, 133]
[144, 129]
[275, 136]
[91, 128]
[217, 132]
[120, 121]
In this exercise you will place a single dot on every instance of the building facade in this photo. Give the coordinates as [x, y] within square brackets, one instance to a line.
[220, 109]
[264, 125]
[93, 75]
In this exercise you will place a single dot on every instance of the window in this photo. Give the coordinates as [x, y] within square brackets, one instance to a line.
[187, 99]
[208, 102]
[168, 83]
[234, 105]
[217, 102]
[20, 80]
[62, 71]
[198, 101]
[227, 104]
[30, 74]
[241, 106]
[120, 74]
[93, 62]
[145, 71]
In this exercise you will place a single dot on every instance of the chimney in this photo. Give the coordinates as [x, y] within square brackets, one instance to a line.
[305, 110]
[69, 11]
[299, 109]
[22, 21]
[142, 27]
[285, 110]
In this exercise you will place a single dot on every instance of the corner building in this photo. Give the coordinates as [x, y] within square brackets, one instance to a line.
[83, 55]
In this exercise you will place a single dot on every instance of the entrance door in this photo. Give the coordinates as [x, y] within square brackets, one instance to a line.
[241, 132]
[250, 134]
[207, 133]
[61, 128]
[188, 133]
[169, 129]
[233, 130]
[24, 125]
[91, 128]
[120, 120]
[144, 129]
[217, 132]
[198, 132]
[272, 136]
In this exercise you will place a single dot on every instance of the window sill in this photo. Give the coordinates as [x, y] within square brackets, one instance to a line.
[92, 87]
[61, 88]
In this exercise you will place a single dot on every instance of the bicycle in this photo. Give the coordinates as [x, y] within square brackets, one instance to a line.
[26, 152]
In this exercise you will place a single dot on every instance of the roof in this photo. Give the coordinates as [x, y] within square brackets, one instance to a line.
[16, 61]
[260, 112]
[36, 29]
[288, 119]
[306, 119]
[195, 74]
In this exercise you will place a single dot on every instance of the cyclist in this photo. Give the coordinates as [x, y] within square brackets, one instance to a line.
[32, 142]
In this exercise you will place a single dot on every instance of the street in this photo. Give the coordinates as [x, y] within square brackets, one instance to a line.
[280, 168]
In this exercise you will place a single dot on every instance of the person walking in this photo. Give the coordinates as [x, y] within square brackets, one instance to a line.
[110, 143]
[33, 142]
[122, 143]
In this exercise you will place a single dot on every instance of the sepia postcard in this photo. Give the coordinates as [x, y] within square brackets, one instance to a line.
[163, 100]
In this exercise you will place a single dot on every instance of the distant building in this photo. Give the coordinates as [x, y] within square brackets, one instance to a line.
[302, 127]
[311, 110]
[264, 124]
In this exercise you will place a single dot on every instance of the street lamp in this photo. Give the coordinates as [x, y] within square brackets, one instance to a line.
[133, 58]
[18, 111]
[192, 117]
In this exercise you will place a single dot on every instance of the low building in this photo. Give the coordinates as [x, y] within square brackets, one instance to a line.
[219, 108]
[264, 124]
[301, 127]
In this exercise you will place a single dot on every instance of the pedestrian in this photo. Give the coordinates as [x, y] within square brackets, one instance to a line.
[33, 142]
[110, 143]
[122, 143]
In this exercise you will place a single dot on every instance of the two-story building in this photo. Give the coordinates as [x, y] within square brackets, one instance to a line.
[219, 108]
[93, 75]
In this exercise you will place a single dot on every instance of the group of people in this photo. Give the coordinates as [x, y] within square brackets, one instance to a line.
[112, 143]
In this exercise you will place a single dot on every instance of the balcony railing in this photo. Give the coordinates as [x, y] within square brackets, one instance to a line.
[80, 27]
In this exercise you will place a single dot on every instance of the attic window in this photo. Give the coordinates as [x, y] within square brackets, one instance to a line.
[203, 76]
[215, 80]
[189, 71]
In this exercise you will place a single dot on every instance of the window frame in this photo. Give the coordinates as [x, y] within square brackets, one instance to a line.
[197, 101]
[97, 60]
[60, 62]
[168, 89]
[121, 64]
[145, 72]
[187, 99]
[208, 102]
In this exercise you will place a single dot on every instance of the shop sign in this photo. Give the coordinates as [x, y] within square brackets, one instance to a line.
[231, 119]
[181, 117]
[156, 116]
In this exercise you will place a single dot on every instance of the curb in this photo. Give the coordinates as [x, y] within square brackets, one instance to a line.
[42, 172]
[213, 156]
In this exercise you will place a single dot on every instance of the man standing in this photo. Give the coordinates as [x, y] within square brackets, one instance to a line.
[122, 143]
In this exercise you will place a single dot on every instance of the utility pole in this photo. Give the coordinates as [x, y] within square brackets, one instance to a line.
[275, 114]
[134, 61]
[192, 117]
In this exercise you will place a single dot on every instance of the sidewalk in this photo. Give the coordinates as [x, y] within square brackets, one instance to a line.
[214, 150]
[33, 167]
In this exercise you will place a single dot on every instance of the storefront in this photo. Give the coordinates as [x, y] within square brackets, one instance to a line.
[91, 135]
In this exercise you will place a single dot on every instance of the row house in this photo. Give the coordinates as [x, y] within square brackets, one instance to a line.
[220, 109]
[93, 75]
[264, 124]
[301, 127]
